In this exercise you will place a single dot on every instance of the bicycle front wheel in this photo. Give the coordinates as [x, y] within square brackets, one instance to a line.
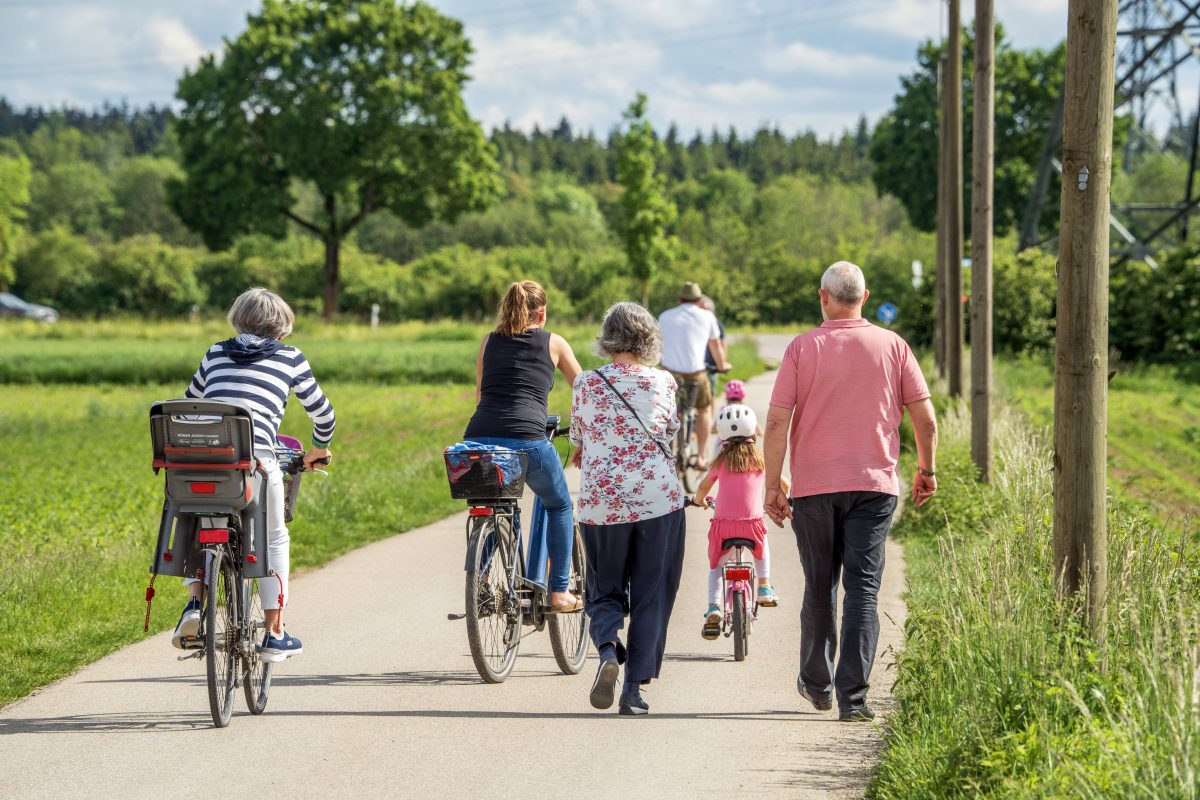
[220, 636]
[493, 607]
[256, 673]
[569, 632]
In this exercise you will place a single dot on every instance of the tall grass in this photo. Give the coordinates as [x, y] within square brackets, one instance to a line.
[1001, 693]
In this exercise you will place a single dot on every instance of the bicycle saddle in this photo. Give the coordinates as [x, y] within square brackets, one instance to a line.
[729, 543]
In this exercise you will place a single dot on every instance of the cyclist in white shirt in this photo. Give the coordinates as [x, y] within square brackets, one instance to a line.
[687, 330]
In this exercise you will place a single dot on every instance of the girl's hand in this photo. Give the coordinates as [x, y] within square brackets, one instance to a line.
[577, 457]
[314, 455]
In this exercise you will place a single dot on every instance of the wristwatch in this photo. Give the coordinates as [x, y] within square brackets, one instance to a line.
[928, 473]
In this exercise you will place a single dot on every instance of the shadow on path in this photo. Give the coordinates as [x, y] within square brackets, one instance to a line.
[132, 722]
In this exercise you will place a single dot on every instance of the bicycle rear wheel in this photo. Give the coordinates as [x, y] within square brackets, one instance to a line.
[569, 632]
[493, 607]
[256, 673]
[220, 636]
[741, 632]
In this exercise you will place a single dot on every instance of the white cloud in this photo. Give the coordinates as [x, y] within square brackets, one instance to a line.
[908, 19]
[174, 43]
[802, 57]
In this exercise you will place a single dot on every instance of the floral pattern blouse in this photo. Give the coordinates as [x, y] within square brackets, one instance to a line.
[626, 476]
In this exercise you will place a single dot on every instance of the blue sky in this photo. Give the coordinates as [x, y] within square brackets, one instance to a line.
[796, 63]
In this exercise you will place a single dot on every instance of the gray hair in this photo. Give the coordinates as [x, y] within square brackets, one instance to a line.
[707, 302]
[845, 283]
[263, 313]
[629, 328]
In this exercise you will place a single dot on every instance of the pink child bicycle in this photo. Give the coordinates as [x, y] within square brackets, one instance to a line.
[738, 580]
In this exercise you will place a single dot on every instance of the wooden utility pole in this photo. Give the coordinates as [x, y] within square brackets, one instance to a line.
[954, 211]
[939, 281]
[1081, 346]
[982, 150]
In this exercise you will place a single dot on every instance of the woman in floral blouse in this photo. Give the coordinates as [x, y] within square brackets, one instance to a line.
[630, 506]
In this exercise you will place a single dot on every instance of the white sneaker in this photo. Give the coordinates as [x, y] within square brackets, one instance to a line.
[189, 623]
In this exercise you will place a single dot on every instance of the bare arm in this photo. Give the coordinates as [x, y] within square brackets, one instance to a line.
[564, 358]
[774, 448]
[704, 488]
[479, 369]
[925, 430]
[717, 348]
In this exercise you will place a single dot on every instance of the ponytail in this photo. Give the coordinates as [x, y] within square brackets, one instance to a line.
[520, 303]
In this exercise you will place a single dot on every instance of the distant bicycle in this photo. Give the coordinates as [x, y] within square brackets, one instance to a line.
[214, 528]
[505, 590]
[685, 446]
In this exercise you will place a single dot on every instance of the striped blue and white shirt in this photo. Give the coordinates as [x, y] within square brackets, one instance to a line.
[261, 373]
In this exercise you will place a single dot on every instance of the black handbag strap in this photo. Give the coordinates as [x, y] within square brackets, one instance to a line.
[661, 446]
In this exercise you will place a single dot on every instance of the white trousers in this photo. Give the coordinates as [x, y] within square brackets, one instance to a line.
[273, 587]
[762, 569]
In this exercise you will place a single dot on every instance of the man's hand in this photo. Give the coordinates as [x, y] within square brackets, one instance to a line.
[314, 455]
[923, 488]
[777, 506]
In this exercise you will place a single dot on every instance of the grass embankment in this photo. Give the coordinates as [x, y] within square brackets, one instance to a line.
[1000, 692]
[80, 504]
[1153, 433]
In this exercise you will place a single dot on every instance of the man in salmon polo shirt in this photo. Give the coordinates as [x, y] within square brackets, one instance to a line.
[838, 401]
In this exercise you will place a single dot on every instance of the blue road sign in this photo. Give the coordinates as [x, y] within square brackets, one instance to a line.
[887, 313]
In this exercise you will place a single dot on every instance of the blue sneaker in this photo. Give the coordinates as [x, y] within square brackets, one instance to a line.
[766, 597]
[277, 648]
[189, 623]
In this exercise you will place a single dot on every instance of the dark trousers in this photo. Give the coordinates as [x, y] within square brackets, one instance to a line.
[840, 536]
[633, 569]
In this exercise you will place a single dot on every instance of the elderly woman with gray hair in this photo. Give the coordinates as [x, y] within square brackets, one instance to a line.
[630, 506]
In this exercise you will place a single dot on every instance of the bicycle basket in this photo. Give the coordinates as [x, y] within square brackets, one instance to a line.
[486, 474]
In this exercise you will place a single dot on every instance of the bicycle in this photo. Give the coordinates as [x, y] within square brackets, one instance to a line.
[505, 590]
[740, 600]
[213, 480]
[685, 446]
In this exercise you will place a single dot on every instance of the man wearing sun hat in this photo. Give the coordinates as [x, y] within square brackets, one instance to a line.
[688, 330]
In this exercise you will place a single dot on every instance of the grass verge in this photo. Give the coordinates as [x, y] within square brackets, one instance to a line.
[1000, 692]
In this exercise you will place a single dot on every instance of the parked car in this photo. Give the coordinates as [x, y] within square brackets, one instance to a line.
[13, 306]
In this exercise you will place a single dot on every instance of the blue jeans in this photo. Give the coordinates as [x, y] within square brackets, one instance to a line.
[545, 477]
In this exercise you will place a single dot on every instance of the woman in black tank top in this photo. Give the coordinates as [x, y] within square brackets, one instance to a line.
[514, 374]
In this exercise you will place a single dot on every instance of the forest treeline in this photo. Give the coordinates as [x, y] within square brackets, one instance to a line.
[759, 217]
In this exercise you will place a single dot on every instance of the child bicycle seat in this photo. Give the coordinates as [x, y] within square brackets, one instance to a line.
[206, 448]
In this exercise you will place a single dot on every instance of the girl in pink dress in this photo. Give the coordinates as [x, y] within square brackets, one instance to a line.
[739, 468]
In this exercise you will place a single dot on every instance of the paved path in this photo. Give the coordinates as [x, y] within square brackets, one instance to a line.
[385, 702]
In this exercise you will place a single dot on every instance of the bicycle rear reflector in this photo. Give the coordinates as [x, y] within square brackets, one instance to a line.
[481, 511]
[214, 535]
[737, 573]
[204, 488]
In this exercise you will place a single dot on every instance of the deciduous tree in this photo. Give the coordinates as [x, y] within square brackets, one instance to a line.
[646, 211]
[14, 196]
[361, 99]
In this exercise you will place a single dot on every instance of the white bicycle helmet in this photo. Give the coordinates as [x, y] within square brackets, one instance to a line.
[736, 421]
